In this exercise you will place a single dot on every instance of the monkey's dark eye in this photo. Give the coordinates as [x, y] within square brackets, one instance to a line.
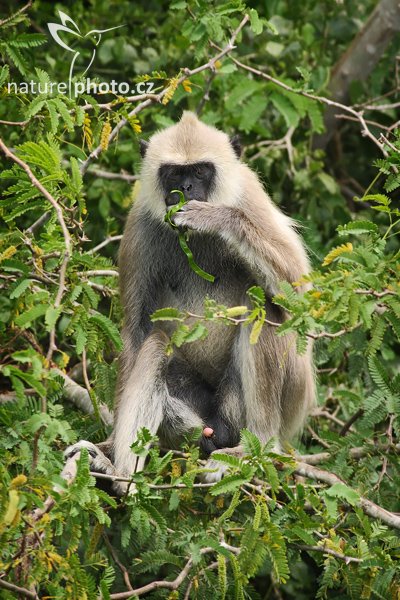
[199, 171]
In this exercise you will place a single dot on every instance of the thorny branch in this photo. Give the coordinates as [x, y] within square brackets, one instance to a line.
[158, 97]
[67, 240]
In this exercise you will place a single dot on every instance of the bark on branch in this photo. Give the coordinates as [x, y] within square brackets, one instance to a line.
[360, 58]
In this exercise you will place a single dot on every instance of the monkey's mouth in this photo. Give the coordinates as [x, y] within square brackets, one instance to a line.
[173, 198]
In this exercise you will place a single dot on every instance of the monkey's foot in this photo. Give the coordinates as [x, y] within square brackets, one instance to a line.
[219, 468]
[98, 462]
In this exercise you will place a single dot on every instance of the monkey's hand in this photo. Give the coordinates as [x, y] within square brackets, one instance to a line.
[196, 215]
[98, 462]
[218, 469]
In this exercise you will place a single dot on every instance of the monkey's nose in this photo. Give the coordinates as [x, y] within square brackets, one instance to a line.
[186, 187]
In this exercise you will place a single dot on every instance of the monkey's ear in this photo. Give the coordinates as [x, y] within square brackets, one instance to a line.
[236, 145]
[143, 147]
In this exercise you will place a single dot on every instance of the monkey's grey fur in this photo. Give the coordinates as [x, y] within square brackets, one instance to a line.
[242, 238]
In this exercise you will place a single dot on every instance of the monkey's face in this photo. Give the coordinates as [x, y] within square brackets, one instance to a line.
[194, 158]
[196, 181]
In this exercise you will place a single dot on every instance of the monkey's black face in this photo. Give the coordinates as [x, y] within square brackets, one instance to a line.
[195, 180]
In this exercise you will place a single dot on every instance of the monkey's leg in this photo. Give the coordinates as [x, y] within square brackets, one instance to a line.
[148, 399]
[298, 395]
[251, 391]
[191, 401]
[139, 400]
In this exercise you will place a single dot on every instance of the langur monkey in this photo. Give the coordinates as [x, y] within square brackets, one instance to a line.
[238, 235]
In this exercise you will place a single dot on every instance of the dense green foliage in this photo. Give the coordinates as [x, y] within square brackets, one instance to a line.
[269, 529]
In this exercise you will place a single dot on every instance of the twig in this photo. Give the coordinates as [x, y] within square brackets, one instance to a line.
[79, 396]
[368, 121]
[158, 97]
[18, 590]
[357, 114]
[391, 146]
[316, 437]
[163, 584]
[283, 142]
[206, 95]
[122, 567]
[117, 101]
[38, 223]
[108, 240]
[317, 412]
[210, 567]
[382, 107]
[100, 273]
[376, 294]
[108, 175]
[153, 486]
[329, 551]
[359, 413]
[18, 12]
[369, 508]
[238, 321]
[389, 433]
[67, 242]
[15, 123]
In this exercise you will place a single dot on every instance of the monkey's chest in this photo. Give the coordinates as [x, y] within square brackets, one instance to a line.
[187, 291]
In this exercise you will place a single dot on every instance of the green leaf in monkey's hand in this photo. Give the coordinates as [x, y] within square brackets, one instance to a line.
[183, 238]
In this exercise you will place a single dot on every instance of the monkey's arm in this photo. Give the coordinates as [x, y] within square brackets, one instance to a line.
[141, 278]
[262, 237]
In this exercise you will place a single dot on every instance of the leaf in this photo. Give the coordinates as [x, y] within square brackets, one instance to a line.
[26, 318]
[51, 316]
[257, 295]
[378, 198]
[4, 74]
[276, 548]
[183, 237]
[108, 328]
[20, 288]
[341, 490]
[228, 459]
[12, 507]
[250, 442]
[28, 40]
[222, 580]
[357, 228]
[53, 114]
[197, 332]
[328, 182]
[27, 378]
[255, 22]
[64, 112]
[330, 257]
[81, 340]
[229, 483]
[256, 331]
[167, 314]
[286, 108]
[379, 374]
[35, 106]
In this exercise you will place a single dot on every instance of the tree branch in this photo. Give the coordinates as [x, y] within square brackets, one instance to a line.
[369, 508]
[158, 97]
[79, 396]
[18, 590]
[329, 552]
[357, 114]
[360, 58]
[66, 235]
